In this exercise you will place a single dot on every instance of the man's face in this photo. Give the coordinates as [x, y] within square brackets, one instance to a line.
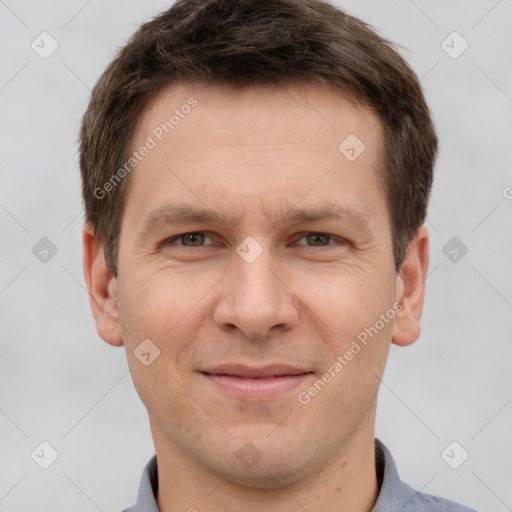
[258, 288]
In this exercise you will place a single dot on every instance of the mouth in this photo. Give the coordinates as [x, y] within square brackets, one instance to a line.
[249, 383]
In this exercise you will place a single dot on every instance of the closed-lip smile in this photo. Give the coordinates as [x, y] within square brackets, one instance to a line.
[255, 383]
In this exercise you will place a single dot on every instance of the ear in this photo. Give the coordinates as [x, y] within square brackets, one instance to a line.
[411, 289]
[102, 289]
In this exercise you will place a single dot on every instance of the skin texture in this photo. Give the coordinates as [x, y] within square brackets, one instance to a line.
[253, 154]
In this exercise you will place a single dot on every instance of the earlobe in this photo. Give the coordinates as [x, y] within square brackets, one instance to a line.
[411, 289]
[102, 288]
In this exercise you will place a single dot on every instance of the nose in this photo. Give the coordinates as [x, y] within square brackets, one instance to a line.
[256, 298]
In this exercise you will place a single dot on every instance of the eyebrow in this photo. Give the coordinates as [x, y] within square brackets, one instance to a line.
[169, 215]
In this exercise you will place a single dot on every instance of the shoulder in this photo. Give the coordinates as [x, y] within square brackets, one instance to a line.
[420, 502]
[396, 495]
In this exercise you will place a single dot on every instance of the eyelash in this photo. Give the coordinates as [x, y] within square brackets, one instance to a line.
[169, 241]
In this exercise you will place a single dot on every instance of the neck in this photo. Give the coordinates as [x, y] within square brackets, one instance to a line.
[347, 483]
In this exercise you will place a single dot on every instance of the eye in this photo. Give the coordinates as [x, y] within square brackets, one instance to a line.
[318, 239]
[195, 239]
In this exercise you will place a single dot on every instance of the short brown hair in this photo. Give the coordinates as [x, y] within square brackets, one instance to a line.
[251, 42]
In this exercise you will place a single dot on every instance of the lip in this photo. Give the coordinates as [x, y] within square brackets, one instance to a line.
[240, 370]
[247, 383]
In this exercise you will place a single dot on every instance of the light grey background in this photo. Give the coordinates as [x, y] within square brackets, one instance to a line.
[61, 384]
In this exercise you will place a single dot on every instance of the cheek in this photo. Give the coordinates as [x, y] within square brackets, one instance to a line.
[161, 306]
[155, 304]
[359, 315]
[348, 301]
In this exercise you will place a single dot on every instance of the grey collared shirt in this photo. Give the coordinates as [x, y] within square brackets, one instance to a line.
[394, 495]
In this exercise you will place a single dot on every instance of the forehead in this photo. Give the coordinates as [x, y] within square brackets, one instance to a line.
[252, 146]
[256, 108]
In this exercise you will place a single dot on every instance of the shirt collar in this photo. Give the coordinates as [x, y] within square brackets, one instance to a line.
[148, 489]
[393, 493]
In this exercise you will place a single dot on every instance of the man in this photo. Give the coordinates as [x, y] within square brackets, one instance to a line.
[256, 177]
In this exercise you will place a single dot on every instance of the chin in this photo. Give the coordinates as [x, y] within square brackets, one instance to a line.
[266, 476]
[263, 464]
